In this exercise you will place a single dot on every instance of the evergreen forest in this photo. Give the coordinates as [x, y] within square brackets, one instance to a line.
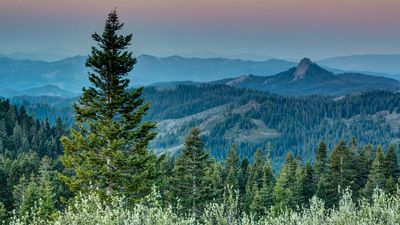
[101, 160]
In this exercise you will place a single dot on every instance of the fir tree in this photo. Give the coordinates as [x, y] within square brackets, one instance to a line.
[190, 184]
[321, 160]
[242, 182]
[5, 195]
[308, 186]
[320, 169]
[107, 151]
[363, 166]
[376, 178]
[297, 197]
[47, 197]
[263, 199]
[340, 173]
[285, 187]
[390, 186]
[391, 163]
[254, 181]
[214, 177]
[243, 176]
[231, 169]
[29, 197]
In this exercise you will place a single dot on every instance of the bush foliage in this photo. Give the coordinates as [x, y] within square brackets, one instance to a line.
[90, 209]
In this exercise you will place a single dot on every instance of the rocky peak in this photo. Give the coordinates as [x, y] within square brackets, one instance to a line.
[302, 68]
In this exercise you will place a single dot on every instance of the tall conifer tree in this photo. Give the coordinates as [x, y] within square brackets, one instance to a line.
[340, 173]
[363, 166]
[190, 183]
[320, 168]
[308, 186]
[254, 181]
[376, 178]
[107, 150]
[284, 192]
[263, 199]
[391, 163]
[231, 169]
[392, 169]
[243, 176]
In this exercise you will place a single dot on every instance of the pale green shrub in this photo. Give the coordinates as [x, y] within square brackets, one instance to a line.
[91, 210]
[226, 213]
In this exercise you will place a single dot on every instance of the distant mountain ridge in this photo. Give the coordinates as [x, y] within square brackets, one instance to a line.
[150, 69]
[308, 78]
[378, 63]
[47, 90]
[70, 73]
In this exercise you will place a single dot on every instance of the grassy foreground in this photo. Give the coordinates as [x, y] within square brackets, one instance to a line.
[90, 209]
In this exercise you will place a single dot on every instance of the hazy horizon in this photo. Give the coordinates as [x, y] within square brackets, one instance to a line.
[266, 28]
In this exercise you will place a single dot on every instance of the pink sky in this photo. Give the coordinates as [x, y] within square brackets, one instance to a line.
[281, 28]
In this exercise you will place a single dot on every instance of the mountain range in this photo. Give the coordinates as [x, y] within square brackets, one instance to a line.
[70, 73]
[373, 63]
[308, 78]
[66, 77]
[47, 90]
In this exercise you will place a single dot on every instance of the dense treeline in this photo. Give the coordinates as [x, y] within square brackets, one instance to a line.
[362, 169]
[192, 181]
[300, 122]
[29, 151]
[47, 107]
[20, 133]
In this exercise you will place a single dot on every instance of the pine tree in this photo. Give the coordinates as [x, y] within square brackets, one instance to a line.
[231, 169]
[390, 186]
[242, 182]
[297, 197]
[391, 163]
[107, 151]
[47, 197]
[29, 197]
[263, 199]
[243, 176]
[320, 169]
[282, 193]
[363, 166]
[340, 173]
[254, 180]
[214, 178]
[256, 172]
[190, 184]
[5, 195]
[308, 186]
[285, 187]
[376, 178]
[321, 160]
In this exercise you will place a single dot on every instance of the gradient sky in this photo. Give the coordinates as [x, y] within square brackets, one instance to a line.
[288, 29]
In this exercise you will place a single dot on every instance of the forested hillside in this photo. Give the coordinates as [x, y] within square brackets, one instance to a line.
[252, 119]
[248, 190]
[29, 151]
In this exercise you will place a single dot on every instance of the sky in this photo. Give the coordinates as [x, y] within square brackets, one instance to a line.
[288, 29]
